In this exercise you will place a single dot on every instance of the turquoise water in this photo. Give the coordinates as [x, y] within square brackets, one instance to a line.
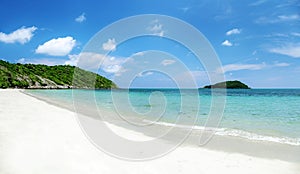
[258, 114]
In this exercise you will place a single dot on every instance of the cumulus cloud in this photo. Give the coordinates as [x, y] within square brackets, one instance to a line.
[292, 50]
[57, 47]
[167, 62]
[110, 45]
[21, 35]
[93, 61]
[81, 18]
[233, 31]
[227, 43]
[73, 59]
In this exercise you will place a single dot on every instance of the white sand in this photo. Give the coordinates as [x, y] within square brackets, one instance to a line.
[36, 137]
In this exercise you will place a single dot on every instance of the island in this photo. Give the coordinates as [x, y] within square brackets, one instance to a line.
[37, 76]
[229, 85]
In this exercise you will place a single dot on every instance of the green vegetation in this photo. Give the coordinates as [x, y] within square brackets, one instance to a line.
[229, 84]
[43, 76]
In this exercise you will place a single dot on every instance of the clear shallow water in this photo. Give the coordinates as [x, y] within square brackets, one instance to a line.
[258, 114]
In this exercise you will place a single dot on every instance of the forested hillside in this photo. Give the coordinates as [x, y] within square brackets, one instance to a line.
[43, 76]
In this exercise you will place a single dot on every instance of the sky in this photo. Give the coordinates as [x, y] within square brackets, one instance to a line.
[256, 41]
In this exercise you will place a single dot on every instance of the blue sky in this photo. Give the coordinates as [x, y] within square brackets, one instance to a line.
[257, 41]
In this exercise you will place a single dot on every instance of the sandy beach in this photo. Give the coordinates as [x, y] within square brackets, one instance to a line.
[37, 137]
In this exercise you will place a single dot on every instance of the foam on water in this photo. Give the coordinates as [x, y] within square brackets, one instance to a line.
[235, 133]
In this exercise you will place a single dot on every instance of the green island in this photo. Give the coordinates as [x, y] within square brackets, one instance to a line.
[229, 85]
[31, 76]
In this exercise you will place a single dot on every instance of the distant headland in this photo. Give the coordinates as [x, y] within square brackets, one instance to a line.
[229, 85]
[31, 76]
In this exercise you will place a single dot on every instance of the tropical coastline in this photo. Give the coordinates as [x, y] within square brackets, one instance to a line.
[150, 87]
[47, 131]
[255, 123]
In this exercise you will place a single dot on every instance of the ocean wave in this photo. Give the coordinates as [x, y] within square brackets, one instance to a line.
[237, 133]
[257, 137]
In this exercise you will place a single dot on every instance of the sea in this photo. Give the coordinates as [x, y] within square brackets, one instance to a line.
[256, 114]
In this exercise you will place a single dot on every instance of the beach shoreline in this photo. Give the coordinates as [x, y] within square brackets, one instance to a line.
[39, 137]
[224, 143]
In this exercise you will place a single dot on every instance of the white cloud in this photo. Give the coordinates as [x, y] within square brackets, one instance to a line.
[233, 31]
[283, 64]
[161, 33]
[185, 9]
[296, 34]
[22, 60]
[289, 17]
[227, 43]
[44, 61]
[110, 45]
[199, 74]
[167, 62]
[259, 2]
[113, 65]
[195, 78]
[87, 60]
[112, 68]
[21, 35]
[278, 35]
[156, 28]
[144, 74]
[73, 60]
[237, 67]
[93, 61]
[81, 18]
[280, 18]
[291, 50]
[57, 47]
[138, 54]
